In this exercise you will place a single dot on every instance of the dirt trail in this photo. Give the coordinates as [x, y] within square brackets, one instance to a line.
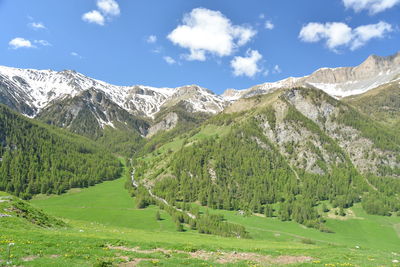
[219, 257]
[135, 184]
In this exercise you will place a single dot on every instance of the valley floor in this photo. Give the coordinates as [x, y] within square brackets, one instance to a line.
[105, 228]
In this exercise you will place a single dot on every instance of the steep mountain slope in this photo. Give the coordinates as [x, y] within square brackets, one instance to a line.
[36, 158]
[87, 106]
[288, 150]
[381, 103]
[89, 112]
[40, 88]
[337, 82]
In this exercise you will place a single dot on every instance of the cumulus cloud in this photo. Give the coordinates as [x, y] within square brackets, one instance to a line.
[207, 31]
[19, 42]
[94, 16]
[269, 25]
[108, 7]
[248, 65]
[106, 10]
[169, 60]
[367, 32]
[373, 6]
[37, 25]
[151, 39]
[335, 34]
[339, 34]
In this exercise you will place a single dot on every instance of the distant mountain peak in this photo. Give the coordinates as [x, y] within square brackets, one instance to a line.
[39, 88]
[337, 82]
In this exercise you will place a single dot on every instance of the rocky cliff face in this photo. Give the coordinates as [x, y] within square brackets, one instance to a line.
[317, 133]
[372, 66]
[350, 130]
[89, 112]
[167, 123]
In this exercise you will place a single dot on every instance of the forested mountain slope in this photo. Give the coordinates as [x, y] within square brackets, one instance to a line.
[280, 154]
[37, 158]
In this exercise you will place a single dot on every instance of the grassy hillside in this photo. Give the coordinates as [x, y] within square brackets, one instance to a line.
[107, 203]
[381, 103]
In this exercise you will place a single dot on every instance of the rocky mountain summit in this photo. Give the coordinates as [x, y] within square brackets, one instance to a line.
[29, 91]
[338, 82]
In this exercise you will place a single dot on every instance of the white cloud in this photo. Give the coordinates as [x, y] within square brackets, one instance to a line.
[42, 42]
[199, 55]
[246, 66]
[335, 34]
[94, 16]
[151, 39]
[37, 25]
[339, 34]
[25, 43]
[106, 10]
[20, 43]
[261, 16]
[108, 7]
[207, 31]
[373, 6]
[367, 32]
[169, 60]
[269, 25]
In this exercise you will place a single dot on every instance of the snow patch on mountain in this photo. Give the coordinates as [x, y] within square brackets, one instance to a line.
[337, 82]
[39, 88]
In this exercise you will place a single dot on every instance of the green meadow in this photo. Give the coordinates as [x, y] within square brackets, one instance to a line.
[104, 228]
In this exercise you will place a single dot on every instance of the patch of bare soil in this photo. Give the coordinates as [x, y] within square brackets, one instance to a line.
[291, 259]
[133, 262]
[229, 257]
[349, 215]
[144, 251]
[221, 257]
[232, 257]
[54, 256]
[29, 258]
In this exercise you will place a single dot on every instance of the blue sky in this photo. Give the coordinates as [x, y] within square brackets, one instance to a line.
[217, 44]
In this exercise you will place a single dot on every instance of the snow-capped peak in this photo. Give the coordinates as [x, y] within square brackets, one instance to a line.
[39, 88]
[337, 82]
